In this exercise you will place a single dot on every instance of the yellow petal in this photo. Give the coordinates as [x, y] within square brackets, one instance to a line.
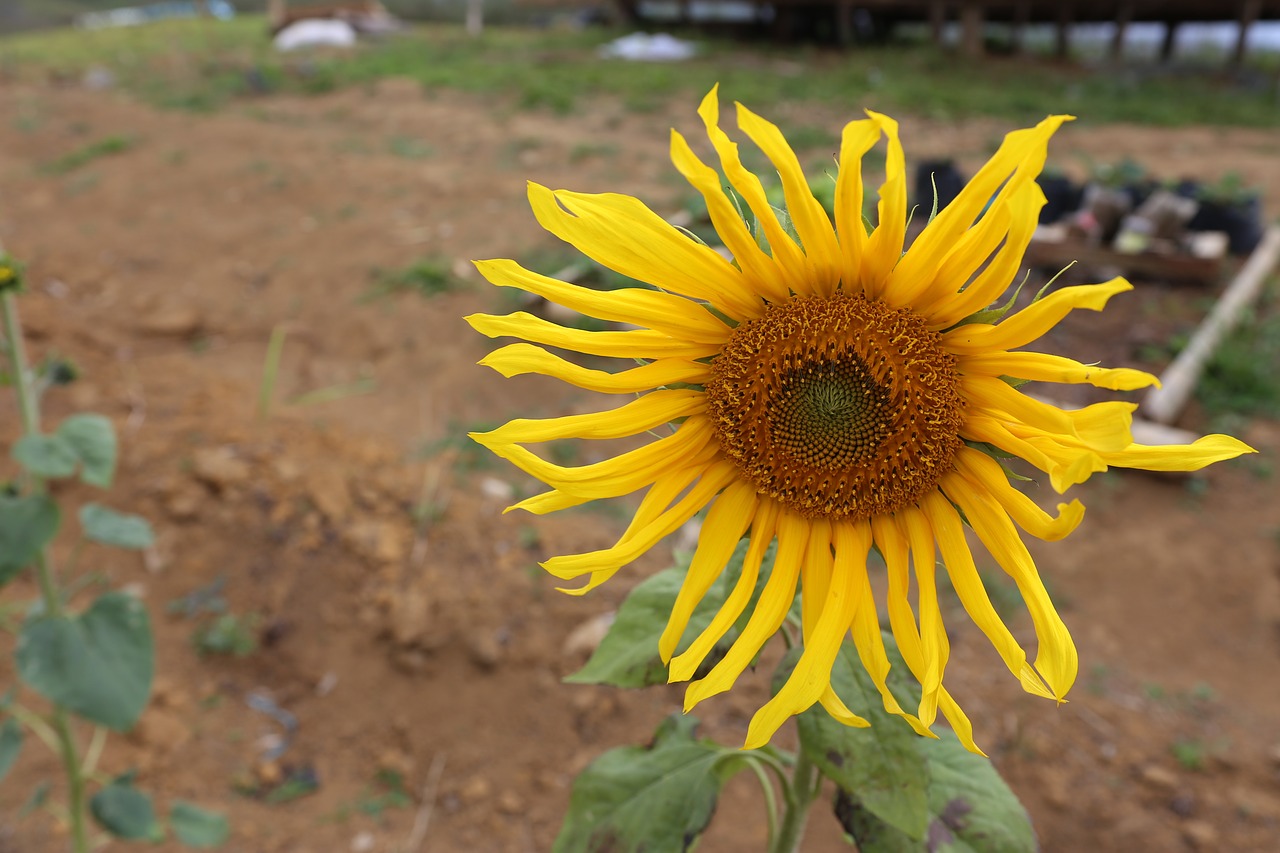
[996, 396]
[884, 246]
[771, 611]
[763, 527]
[621, 475]
[806, 212]
[985, 473]
[855, 541]
[663, 312]
[728, 519]
[761, 269]
[969, 253]
[1066, 467]
[973, 596]
[791, 262]
[1179, 457]
[934, 644]
[518, 359]
[959, 723]
[1041, 367]
[644, 413]
[624, 235]
[945, 310]
[1022, 151]
[815, 576]
[856, 140]
[1033, 321]
[1056, 659]
[641, 343]
[812, 674]
[639, 540]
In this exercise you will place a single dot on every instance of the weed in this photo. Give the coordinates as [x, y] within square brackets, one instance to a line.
[587, 150]
[427, 277]
[1188, 752]
[409, 148]
[88, 153]
[229, 634]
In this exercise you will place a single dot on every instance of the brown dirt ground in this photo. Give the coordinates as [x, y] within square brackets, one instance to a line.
[162, 270]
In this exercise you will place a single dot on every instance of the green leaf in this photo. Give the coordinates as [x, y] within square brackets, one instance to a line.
[10, 744]
[971, 809]
[628, 654]
[659, 797]
[98, 664]
[94, 440]
[47, 456]
[27, 524]
[115, 528]
[124, 811]
[881, 765]
[197, 827]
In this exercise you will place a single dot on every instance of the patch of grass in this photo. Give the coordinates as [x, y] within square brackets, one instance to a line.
[1241, 379]
[201, 65]
[1189, 753]
[86, 154]
[588, 150]
[409, 148]
[427, 277]
[229, 634]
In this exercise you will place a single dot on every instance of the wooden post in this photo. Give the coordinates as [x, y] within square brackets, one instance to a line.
[1062, 30]
[1124, 15]
[971, 15]
[276, 10]
[937, 20]
[1170, 39]
[1021, 17]
[1249, 12]
[1178, 381]
[475, 17]
[844, 22]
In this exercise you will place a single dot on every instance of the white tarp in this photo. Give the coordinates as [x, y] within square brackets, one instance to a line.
[315, 32]
[643, 47]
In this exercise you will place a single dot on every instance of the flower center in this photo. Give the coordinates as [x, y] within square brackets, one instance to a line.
[838, 407]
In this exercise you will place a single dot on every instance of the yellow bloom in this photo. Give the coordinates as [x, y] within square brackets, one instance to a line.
[831, 396]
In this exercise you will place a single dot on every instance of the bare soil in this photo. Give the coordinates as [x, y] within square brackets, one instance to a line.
[403, 647]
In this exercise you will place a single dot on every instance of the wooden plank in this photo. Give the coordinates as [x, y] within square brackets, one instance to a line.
[1164, 404]
[1171, 267]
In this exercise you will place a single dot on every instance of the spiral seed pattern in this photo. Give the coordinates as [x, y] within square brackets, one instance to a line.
[837, 407]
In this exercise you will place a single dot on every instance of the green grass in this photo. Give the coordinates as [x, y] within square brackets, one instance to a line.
[86, 154]
[427, 277]
[201, 65]
[1241, 378]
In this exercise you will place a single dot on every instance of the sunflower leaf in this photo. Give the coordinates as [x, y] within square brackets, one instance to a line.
[971, 809]
[879, 768]
[640, 798]
[628, 654]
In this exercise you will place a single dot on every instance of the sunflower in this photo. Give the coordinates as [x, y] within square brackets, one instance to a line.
[834, 394]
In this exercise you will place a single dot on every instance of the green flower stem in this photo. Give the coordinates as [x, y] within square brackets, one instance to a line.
[770, 798]
[798, 796]
[27, 403]
[28, 408]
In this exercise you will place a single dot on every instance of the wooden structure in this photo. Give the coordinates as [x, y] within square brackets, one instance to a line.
[973, 16]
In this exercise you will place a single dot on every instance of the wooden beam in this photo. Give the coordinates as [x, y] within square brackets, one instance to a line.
[1249, 12]
[937, 20]
[844, 22]
[971, 28]
[1170, 40]
[1021, 17]
[1062, 31]
[1124, 15]
[1178, 381]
